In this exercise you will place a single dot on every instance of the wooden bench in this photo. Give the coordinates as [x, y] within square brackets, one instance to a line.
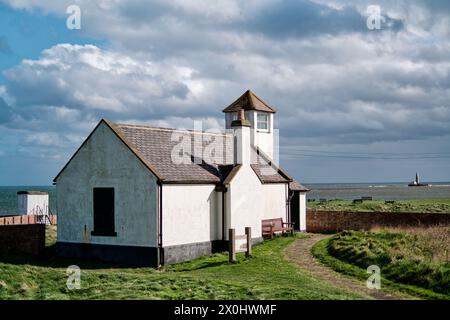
[271, 226]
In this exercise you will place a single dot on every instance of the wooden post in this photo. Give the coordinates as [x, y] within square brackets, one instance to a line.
[232, 246]
[248, 232]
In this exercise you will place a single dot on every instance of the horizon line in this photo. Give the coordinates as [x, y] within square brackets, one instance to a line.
[365, 182]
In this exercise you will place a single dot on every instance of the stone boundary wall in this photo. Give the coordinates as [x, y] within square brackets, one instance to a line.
[26, 238]
[23, 219]
[332, 221]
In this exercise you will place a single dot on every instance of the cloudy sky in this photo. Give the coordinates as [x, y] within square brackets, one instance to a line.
[354, 104]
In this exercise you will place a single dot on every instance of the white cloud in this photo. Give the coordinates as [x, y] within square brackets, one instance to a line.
[222, 10]
[169, 63]
[88, 78]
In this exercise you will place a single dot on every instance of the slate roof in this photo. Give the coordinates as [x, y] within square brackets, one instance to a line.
[156, 146]
[265, 169]
[249, 101]
[296, 186]
[33, 193]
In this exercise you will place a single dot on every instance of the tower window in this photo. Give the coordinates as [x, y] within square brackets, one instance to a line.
[262, 121]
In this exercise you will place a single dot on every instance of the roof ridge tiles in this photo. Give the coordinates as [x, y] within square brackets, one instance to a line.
[147, 127]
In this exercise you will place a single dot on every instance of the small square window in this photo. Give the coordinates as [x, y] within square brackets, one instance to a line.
[262, 121]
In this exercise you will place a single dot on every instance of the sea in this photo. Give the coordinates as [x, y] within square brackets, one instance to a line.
[378, 191]
[343, 191]
[9, 203]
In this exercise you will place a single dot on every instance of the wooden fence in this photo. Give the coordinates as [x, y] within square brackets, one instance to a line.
[243, 247]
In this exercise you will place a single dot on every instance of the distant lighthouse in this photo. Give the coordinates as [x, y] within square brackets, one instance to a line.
[416, 183]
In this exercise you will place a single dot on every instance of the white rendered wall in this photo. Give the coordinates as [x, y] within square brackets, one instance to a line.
[32, 204]
[302, 206]
[104, 161]
[249, 202]
[191, 213]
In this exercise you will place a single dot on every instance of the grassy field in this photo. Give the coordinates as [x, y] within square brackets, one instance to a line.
[420, 205]
[413, 260]
[266, 275]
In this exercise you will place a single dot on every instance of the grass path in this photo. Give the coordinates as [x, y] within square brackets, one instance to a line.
[299, 253]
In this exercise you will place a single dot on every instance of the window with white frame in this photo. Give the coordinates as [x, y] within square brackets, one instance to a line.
[262, 121]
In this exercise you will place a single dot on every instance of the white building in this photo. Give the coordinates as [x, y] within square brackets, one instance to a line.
[32, 203]
[153, 196]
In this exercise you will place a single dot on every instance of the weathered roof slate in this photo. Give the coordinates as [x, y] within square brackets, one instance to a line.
[33, 193]
[266, 170]
[296, 186]
[157, 144]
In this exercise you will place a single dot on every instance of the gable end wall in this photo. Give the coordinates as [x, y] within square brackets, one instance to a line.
[105, 161]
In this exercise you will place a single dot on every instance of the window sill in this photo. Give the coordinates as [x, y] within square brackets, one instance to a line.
[104, 234]
[262, 131]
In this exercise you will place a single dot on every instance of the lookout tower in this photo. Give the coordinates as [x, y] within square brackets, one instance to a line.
[259, 114]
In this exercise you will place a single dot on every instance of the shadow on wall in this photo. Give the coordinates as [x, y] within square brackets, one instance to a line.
[22, 239]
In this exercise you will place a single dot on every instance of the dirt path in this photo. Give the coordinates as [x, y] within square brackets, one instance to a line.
[299, 253]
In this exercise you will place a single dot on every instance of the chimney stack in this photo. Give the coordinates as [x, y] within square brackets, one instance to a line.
[241, 115]
[242, 143]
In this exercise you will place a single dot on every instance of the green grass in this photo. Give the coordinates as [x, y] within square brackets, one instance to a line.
[50, 235]
[266, 275]
[409, 260]
[419, 205]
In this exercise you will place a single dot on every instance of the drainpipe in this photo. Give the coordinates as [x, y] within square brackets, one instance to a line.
[288, 204]
[159, 226]
[223, 212]
[223, 189]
